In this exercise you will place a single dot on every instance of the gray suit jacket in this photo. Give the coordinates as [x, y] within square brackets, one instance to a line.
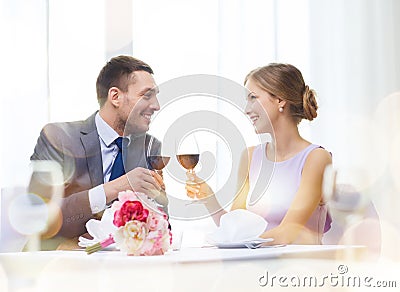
[76, 146]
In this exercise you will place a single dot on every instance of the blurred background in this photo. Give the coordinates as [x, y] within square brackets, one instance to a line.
[348, 51]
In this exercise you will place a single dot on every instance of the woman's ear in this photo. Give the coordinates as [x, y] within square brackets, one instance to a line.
[113, 96]
[281, 102]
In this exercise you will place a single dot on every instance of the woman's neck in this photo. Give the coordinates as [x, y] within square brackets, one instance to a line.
[285, 144]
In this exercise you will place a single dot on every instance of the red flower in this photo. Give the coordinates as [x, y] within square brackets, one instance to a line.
[130, 210]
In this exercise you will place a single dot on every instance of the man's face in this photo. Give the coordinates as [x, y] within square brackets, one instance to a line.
[139, 103]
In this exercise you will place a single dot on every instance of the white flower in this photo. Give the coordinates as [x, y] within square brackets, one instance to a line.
[131, 237]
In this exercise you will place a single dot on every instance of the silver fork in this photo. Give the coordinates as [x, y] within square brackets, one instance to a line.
[254, 245]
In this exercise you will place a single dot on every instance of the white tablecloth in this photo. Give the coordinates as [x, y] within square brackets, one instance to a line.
[191, 269]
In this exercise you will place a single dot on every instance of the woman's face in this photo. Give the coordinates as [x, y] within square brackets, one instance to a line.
[261, 107]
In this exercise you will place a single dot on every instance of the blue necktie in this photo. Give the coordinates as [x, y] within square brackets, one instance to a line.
[118, 166]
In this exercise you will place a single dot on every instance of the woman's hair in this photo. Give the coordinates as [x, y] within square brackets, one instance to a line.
[117, 72]
[286, 82]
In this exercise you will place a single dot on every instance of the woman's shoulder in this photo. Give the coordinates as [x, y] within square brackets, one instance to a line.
[249, 150]
[319, 155]
[319, 150]
[247, 154]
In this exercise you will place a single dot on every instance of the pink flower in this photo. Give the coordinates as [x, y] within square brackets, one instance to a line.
[126, 196]
[157, 242]
[122, 198]
[156, 221]
[130, 210]
[142, 226]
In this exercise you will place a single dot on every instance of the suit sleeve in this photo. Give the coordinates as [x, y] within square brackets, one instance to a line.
[46, 146]
[75, 207]
[75, 213]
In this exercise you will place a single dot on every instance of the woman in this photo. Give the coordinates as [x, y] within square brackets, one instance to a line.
[292, 201]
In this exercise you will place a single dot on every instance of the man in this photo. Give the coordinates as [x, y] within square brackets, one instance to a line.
[87, 150]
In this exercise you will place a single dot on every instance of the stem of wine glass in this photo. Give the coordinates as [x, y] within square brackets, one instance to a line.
[160, 172]
[191, 170]
[33, 242]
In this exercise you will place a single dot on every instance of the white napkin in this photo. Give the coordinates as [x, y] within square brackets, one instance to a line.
[238, 226]
[99, 229]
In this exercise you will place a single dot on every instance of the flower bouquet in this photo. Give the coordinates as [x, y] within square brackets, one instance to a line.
[139, 226]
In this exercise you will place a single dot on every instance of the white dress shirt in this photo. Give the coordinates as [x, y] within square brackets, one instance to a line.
[109, 151]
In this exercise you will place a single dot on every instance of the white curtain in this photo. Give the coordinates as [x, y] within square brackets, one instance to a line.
[51, 54]
[24, 98]
[355, 68]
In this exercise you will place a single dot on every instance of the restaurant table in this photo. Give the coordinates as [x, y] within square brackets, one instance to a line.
[283, 268]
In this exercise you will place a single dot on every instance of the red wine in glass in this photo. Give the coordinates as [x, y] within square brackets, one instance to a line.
[157, 162]
[188, 161]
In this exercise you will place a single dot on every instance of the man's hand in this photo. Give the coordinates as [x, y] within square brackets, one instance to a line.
[145, 181]
[138, 180]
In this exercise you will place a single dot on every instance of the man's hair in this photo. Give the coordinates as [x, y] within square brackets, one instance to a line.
[118, 73]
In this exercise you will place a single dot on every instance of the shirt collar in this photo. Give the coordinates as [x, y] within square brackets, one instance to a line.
[106, 133]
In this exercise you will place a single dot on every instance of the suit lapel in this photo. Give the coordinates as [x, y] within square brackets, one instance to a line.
[91, 145]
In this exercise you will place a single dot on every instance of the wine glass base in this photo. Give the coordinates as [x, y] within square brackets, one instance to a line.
[194, 201]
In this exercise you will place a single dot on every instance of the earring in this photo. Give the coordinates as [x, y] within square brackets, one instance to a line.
[281, 109]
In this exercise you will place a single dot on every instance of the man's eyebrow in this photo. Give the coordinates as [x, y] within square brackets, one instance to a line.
[150, 89]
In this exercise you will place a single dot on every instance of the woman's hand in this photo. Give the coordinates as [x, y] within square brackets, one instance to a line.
[197, 188]
[290, 233]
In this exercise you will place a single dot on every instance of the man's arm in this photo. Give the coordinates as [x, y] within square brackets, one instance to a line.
[54, 144]
[74, 206]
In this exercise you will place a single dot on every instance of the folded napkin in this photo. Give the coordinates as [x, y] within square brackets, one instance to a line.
[238, 226]
[99, 229]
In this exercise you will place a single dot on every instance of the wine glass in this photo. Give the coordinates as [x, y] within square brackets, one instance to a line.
[188, 161]
[35, 212]
[156, 161]
[346, 193]
[188, 153]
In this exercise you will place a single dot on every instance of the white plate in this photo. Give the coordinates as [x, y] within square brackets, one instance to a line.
[242, 244]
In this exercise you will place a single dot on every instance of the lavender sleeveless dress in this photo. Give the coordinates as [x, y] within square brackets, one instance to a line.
[273, 187]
